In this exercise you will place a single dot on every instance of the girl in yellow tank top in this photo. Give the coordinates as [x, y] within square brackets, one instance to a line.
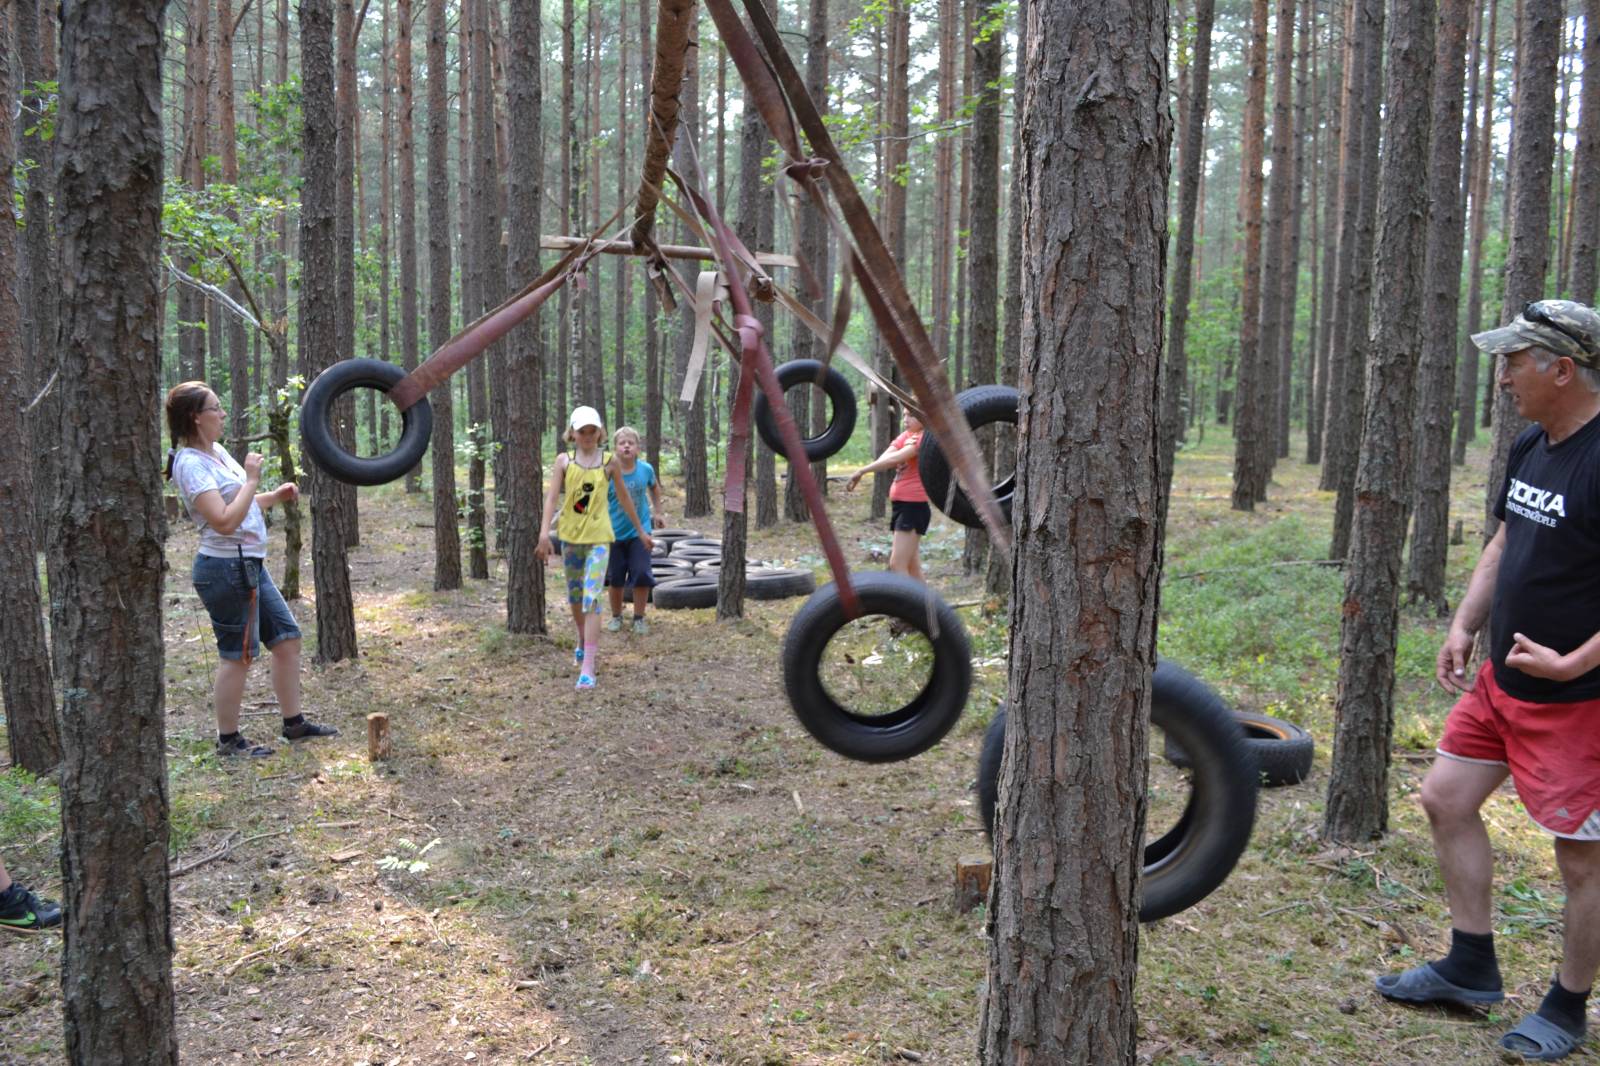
[584, 527]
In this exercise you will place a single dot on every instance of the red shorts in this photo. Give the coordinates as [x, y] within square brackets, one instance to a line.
[1552, 750]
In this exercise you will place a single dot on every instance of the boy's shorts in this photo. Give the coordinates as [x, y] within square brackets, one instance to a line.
[224, 587]
[629, 567]
[1551, 749]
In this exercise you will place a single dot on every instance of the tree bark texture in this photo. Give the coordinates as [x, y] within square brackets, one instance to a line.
[1586, 165]
[1275, 255]
[1062, 961]
[1441, 304]
[1289, 292]
[107, 527]
[319, 314]
[691, 417]
[524, 490]
[39, 293]
[813, 250]
[1478, 224]
[1361, 294]
[1251, 432]
[489, 259]
[446, 534]
[347, 110]
[405, 128]
[892, 220]
[983, 248]
[1358, 790]
[32, 735]
[1317, 428]
[1528, 257]
[1191, 161]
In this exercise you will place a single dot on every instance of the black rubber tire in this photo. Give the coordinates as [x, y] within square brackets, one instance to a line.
[695, 555]
[1284, 751]
[920, 723]
[840, 395]
[697, 541]
[669, 537]
[316, 424]
[1186, 863]
[767, 583]
[699, 590]
[665, 569]
[984, 405]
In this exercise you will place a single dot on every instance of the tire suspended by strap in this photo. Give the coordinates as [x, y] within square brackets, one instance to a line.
[914, 726]
[319, 441]
[984, 405]
[1187, 861]
[799, 372]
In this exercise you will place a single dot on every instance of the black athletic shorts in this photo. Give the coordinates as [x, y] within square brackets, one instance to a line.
[913, 517]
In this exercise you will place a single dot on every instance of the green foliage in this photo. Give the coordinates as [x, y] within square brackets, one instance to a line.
[28, 805]
[410, 859]
[39, 104]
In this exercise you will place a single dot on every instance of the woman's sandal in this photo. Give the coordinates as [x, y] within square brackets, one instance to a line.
[1538, 1039]
[1423, 984]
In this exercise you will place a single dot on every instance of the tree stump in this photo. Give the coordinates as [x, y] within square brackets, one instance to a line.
[1456, 536]
[378, 747]
[972, 881]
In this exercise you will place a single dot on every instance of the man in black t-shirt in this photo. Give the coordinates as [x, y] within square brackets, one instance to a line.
[1533, 710]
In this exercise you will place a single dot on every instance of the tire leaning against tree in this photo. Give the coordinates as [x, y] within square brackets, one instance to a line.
[1188, 861]
[915, 726]
[317, 436]
[984, 405]
[840, 395]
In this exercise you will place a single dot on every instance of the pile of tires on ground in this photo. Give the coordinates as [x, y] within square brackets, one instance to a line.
[687, 567]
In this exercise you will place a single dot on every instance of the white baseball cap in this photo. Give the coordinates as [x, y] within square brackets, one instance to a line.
[585, 416]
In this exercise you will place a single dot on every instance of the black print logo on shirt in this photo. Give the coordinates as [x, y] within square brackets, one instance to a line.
[585, 494]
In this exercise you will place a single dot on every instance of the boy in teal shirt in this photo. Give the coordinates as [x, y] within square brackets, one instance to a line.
[629, 568]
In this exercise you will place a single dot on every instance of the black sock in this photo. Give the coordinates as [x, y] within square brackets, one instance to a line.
[225, 739]
[1564, 1008]
[1471, 962]
[298, 719]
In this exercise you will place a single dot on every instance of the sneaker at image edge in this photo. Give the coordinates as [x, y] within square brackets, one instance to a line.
[615, 625]
[21, 909]
[241, 748]
[307, 729]
[641, 626]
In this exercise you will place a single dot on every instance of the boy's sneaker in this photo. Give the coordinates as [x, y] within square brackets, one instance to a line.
[21, 909]
[241, 748]
[304, 730]
[641, 626]
[584, 682]
[615, 625]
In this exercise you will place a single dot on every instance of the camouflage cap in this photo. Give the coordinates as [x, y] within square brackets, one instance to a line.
[1564, 327]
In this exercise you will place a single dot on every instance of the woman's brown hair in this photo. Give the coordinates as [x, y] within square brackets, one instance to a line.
[185, 401]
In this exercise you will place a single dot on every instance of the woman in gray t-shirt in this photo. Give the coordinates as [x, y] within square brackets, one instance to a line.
[230, 572]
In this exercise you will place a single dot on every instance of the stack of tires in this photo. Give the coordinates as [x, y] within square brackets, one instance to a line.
[688, 571]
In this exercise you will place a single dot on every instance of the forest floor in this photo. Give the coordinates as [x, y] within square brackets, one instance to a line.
[669, 870]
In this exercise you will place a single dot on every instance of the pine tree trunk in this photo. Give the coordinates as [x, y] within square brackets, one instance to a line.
[654, 403]
[1351, 111]
[1251, 422]
[1528, 256]
[319, 314]
[812, 243]
[1441, 302]
[983, 252]
[619, 327]
[691, 417]
[1586, 165]
[1276, 303]
[446, 535]
[892, 218]
[1317, 428]
[491, 286]
[197, 114]
[1466, 416]
[107, 528]
[39, 291]
[525, 455]
[997, 582]
[1358, 791]
[1094, 332]
[1361, 293]
[406, 130]
[1290, 295]
[346, 104]
[32, 735]
[1191, 161]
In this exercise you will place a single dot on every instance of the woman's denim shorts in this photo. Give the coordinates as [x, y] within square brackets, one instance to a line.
[224, 587]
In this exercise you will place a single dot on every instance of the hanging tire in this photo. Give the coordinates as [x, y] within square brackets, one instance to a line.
[985, 405]
[1284, 751]
[766, 583]
[698, 590]
[316, 424]
[1188, 861]
[908, 730]
[842, 397]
